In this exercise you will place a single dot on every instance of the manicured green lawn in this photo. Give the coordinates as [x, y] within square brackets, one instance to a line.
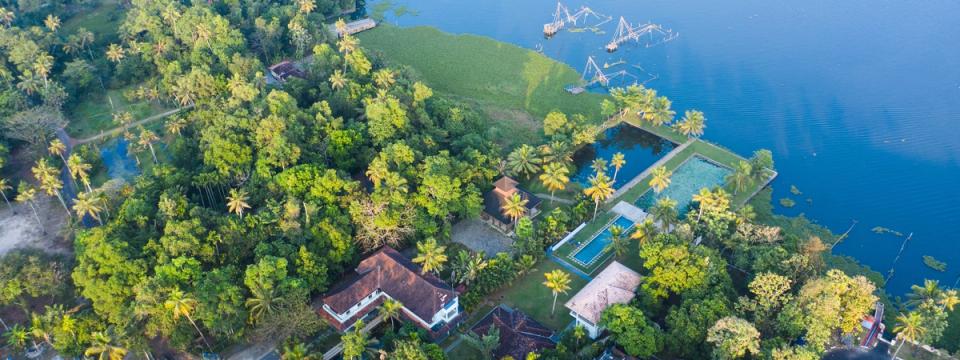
[528, 294]
[103, 21]
[461, 65]
[94, 113]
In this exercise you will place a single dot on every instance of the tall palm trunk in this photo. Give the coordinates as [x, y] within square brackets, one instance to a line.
[64, 203]
[8, 201]
[204, 338]
[554, 307]
[898, 349]
[36, 215]
[595, 207]
[153, 153]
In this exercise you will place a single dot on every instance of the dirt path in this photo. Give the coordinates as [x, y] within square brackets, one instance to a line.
[120, 129]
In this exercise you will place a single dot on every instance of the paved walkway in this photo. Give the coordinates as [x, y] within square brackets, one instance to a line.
[629, 211]
[554, 198]
[637, 179]
[120, 129]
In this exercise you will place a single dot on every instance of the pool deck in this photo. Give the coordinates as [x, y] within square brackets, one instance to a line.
[643, 175]
[630, 212]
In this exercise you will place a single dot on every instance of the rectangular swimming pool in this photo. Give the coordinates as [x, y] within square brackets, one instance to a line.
[694, 174]
[639, 147]
[590, 251]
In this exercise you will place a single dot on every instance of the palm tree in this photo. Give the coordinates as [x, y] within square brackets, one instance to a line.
[52, 22]
[356, 343]
[4, 186]
[147, 138]
[929, 291]
[297, 351]
[660, 113]
[88, 204]
[665, 213]
[49, 181]
[100, 345]
[741, 178]
[599, 166]
[337, 80]
[263, 301]
[391, 309]
[617, 161]
[383, 78]
[704, 198]
[514, 207]
[645, 231]
[237, 202]
[175, 126]
[16, 336]
[660, 179]
[58, 148]
[949, 299]
[341, 26]
[558, 282]
[555, 178]
[26, 194]
[430, 255]
[42, 66]
[600, 190]
[306, 6]
[524, 161]
[182, 305]
[909, 328]
[692, 124]
[6, 16]
[115, 53]
[617, 241]
[467, 268]
[79, 170]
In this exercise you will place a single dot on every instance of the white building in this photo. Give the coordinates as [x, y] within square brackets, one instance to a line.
[386, 274]
[616, 284]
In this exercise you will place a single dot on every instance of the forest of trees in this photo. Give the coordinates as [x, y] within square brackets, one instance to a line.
[262, 196]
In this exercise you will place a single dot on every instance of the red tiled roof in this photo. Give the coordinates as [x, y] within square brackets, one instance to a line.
[397, 276]
[519, 334]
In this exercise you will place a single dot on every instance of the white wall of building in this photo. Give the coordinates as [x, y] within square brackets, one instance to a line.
[447, 314]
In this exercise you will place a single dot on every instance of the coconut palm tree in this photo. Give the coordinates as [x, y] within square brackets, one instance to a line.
[391, 310]
[692, 124]
[79, 170]
[665, 213]
[949, 299]
[555, 177]
[929, 291]
[383, 78]
[356, 342]
[340, 25]
[600, 189]
[337, 80]
[296, 351]
[660, 179]
[16, 336]
[182, 305]
[26, 194]
[618, 242]
[704, 198]
[7, 16]
[175, 126]
[4, 186]
[909, 328]
[49, 181]
[147, 138]
[618, 161]
[263, 302]
[42, 66]
[741, 178]
[430, 256]
[660, 112]
[58, 148]
[514, 207]
[645, 231]
[237, 202]
[52, 22]
[306, 6]
[88, 204]
[524, 161]
[558, 282]
[115, 53]
[599, 166]
[100, 345]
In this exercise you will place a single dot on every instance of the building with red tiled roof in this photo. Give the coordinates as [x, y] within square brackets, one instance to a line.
[519, 333]
[285, 69]
[427, 301]
[494, 200]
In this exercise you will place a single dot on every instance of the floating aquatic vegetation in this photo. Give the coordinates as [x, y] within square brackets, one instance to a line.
[882, 230]
[787, 203]
[794, 190]
[935, 264]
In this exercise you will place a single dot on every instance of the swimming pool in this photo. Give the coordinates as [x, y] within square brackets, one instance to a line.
[694, 174]
[639, 147]
[591, 250]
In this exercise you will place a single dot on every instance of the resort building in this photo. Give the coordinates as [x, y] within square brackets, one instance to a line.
[427, 301]
[614, 285]
[494, 200]
[285, 69]
[519, 334]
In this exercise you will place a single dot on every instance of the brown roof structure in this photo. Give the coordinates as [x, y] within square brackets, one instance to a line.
[388, 270]
[519, 333]
[286, 69]
[503, 189]
[614, 285]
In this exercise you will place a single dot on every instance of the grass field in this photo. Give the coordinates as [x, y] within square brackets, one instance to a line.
[103, 21]
[528, 294]
[94, 113]
[462, 66]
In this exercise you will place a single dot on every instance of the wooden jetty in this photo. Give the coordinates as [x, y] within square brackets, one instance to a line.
[354, 27]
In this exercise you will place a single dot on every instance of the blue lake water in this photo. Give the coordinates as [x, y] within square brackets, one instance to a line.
[640, 149]
[120, 164]
[687, 180]
[859, 100]
[595, 247]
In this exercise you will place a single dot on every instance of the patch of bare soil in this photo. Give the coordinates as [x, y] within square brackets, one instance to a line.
[19, 228]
